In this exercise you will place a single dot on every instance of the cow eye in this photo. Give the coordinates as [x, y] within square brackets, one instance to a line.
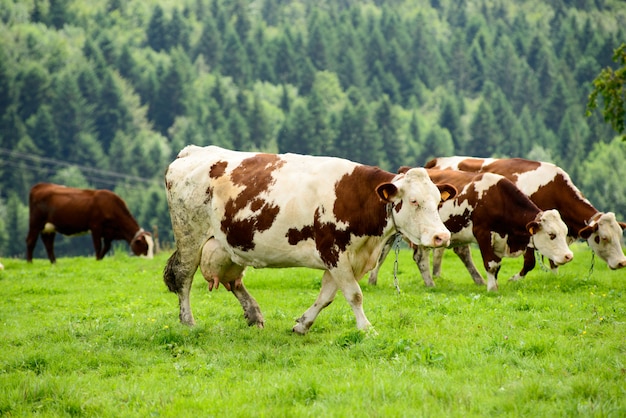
[552, 236]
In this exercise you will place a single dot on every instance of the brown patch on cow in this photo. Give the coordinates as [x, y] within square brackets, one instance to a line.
[471, 164]
[456, 223]
[357, 203]
[218, 169]
[254, 175]
[294, 235]
[330, 241]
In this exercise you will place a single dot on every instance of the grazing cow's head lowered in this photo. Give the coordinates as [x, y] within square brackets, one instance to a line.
[70, 211]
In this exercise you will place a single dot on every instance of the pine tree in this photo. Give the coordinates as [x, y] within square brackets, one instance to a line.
[394, 147]
[157, 29]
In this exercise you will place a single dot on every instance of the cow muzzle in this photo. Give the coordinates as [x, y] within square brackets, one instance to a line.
[565, 259]
[441, 240]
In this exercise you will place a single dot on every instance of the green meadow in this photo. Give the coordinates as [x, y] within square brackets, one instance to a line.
[102, 339]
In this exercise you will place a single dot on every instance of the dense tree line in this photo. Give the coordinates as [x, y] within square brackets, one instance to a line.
[104, 95]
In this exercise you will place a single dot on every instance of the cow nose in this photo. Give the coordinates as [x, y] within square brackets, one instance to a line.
[619, 265]
[569, 257]
[441, 240]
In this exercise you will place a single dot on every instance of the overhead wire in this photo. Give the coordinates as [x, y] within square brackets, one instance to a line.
[92, 174]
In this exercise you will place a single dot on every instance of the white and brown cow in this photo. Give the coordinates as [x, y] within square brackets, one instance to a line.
[54, 208]
[550, 187]
[230, 210]
[490, 211]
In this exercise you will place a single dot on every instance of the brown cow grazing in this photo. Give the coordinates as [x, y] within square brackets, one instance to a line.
[70, 211]
[490, 211]
[549, 187]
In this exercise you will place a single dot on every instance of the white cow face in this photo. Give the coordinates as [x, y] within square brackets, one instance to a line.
[605, 239]
[415, 198]
[549, 237]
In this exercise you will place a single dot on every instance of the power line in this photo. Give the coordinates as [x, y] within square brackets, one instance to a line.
[28, 158]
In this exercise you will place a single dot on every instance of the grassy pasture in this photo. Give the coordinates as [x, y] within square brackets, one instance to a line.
[88, 338]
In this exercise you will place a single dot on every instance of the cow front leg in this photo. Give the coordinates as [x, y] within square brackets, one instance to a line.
[48, 242]
[420, 256]
[492, 267]
[529, 264]
[97, 244]
[325, 298]
[464, 252]
[251, 309]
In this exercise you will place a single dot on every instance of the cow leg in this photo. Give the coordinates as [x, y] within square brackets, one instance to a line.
[251, 309]
[31, 242]
[465, 254]
[492, 267]
[529, 264]
[437, 260]
[105, 248]
[420, 255]
[48, 242]
[178, 276]
[373, 278]
[97, 243]
[325, 298]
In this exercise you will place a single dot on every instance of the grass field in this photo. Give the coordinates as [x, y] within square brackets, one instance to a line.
[88, 338]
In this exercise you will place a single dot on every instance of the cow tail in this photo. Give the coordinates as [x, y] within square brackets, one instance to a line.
[169, 273]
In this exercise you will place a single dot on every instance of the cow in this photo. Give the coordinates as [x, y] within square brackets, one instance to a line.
[549, 187]
[70, 211]
[231, 209]
[490, 211]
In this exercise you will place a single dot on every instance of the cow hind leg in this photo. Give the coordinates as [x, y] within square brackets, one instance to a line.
[373, 278]
[325, 298]
[31, 242]
[437, 261]
[251, 309]
[217, 267]
[48, 242]
[178, 279]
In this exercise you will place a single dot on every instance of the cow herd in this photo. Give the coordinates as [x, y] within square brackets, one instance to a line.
[230, 210]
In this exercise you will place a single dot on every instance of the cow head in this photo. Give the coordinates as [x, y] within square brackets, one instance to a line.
[604, 235]
[142, 244]
[413, 199]
[549, 236]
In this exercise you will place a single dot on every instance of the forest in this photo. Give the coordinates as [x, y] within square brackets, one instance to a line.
[105, 94]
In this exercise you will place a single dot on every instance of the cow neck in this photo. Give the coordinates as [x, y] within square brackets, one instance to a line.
[139, 232]
[390, 207]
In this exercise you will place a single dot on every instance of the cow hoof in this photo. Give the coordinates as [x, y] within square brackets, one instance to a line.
[515, 278]
[300, 329]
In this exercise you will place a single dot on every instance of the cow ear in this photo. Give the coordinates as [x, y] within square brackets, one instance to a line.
[587, 231]
[533, 227]
[447, 191]
[622, 224]
[386, 191]
[403, 169]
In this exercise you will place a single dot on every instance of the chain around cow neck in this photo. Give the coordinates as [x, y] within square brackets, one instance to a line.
[390, 207]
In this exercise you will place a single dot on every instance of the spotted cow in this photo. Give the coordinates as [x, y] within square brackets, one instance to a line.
[230, 210]
[54, 208]
[490, 211]
[549, 187]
